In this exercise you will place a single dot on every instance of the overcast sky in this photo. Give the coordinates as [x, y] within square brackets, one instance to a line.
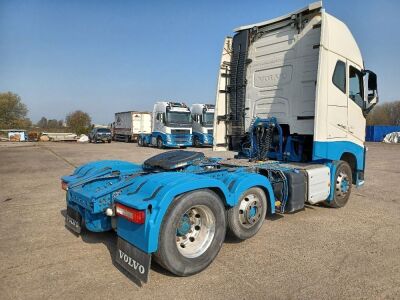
[109, 56]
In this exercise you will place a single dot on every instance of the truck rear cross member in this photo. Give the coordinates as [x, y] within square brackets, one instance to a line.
[293, 107]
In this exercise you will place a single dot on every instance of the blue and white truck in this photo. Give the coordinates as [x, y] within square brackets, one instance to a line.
[171, 126]
[202, 124]
[292, 97]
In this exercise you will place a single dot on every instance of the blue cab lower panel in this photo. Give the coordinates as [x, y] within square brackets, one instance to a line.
[169, 140]
[334, 151]
[203, 138]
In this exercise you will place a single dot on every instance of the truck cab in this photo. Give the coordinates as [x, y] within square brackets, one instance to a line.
[292, 97]
[306, 71]
[202, 125]
[171, 126]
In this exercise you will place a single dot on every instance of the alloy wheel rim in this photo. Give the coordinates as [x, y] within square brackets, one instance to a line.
[195, 231]
[250, 210]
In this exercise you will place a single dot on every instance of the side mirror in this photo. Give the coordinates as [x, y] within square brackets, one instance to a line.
[371, 94]
[163, 119]
[372, 81]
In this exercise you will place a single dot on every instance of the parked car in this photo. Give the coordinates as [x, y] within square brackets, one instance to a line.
[100, 134]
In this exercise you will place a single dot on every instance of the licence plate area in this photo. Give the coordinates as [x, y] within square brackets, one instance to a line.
[73, 220]
[134, 261]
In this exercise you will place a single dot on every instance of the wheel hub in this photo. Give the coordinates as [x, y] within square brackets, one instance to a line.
[195, 231]
[342, 184]
[250, 210]
[183, 226]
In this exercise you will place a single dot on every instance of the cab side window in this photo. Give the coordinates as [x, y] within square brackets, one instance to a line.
[339, 76]
[356, 88]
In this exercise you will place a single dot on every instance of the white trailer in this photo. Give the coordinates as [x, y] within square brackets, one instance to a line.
[130, 124]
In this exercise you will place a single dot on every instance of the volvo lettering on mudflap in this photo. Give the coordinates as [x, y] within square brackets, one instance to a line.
[291, 100]
[136, 262]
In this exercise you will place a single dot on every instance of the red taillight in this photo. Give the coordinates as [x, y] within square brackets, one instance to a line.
[131, 214]
[64, 185]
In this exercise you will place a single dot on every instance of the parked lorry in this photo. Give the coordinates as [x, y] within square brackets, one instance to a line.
[202, 124]
[129, 125]
[292, 97]
[171, 126]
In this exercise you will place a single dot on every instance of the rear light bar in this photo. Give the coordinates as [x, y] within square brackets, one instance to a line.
[64, 185]
[131, 214]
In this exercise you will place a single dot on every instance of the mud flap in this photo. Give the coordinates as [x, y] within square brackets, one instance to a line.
[134, 261]
[73, 220]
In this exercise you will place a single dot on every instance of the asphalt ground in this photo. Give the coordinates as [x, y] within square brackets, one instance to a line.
[317, 253]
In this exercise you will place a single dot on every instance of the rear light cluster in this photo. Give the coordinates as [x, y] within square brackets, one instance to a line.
[131, 214]
[64, 185]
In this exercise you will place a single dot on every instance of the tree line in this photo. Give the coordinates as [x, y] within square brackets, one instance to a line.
[13, 115]
[385, 114]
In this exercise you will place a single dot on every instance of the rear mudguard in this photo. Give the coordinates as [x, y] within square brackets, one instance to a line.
[155, 192]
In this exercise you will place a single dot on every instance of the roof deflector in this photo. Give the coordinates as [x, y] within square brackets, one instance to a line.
[312, 6]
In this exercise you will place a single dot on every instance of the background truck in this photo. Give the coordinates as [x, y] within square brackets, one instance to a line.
[292, 97]
[129, 125]
[202, 126]
[171, 126]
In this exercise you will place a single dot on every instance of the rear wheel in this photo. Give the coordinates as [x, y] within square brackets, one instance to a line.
[246, 218]
[160, 144]
[343, 182]
[192, 233]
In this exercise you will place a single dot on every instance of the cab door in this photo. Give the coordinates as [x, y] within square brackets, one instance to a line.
[337, 98]
[356, 120]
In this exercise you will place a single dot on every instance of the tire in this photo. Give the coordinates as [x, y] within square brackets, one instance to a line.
[160, 143]
[343, 182]
[140, 141]
[126, 140]
[246, 218]
[90, 140]
[109, 141]
[196, 142]
[194, 248]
